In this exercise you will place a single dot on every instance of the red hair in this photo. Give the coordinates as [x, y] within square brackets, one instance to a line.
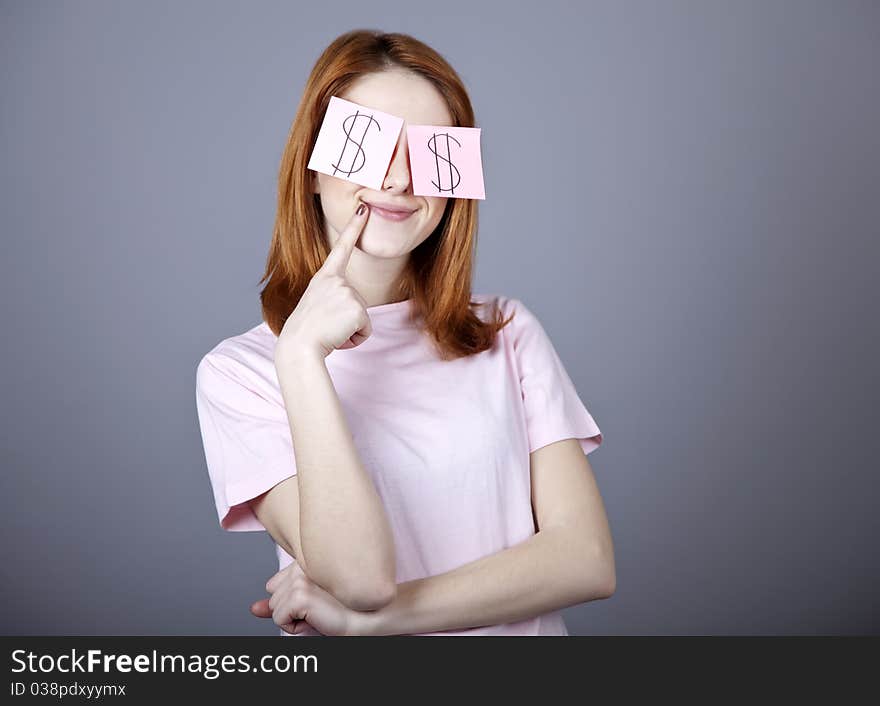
[438, 274]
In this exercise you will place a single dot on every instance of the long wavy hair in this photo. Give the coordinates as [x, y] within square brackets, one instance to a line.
[438, 273]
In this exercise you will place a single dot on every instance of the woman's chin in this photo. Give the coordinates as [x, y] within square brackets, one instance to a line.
[379, 246]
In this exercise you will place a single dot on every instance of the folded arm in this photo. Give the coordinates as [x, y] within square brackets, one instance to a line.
[569, 560]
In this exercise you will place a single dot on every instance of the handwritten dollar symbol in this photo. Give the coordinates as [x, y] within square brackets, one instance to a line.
[432, 144]
[348, 126]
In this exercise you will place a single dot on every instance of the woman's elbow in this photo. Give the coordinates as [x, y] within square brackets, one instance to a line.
[601, 575]
[609, 585]
[365, 598]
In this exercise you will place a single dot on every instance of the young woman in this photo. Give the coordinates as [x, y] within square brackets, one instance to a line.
[440, 483]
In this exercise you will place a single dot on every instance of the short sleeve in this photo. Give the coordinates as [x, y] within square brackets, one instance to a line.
[246, 438]
[553, 408]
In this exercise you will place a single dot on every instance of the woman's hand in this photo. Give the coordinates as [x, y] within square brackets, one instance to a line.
[330, 314]
[297, 601]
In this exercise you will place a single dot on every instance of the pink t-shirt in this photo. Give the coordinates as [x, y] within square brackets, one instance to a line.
[446, 443]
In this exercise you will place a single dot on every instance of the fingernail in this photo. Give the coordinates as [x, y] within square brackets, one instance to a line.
[361, 208]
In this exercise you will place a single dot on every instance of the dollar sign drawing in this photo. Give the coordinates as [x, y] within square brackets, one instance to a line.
[432, 144]
[348, 126]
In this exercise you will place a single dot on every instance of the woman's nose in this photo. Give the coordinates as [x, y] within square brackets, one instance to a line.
[398, 175]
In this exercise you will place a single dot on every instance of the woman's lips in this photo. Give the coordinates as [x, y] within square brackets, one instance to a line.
[391, 215]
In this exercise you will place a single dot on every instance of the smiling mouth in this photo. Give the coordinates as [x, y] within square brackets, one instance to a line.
[389, 214]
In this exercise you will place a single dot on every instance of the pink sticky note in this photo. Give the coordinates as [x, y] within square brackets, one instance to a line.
[355, 143]
[446, 161]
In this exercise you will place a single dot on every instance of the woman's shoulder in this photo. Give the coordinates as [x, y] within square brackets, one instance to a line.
[510, 307]
[487, 302]
[247, 357]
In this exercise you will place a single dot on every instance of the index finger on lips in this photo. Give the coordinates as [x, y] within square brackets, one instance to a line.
[340, 253]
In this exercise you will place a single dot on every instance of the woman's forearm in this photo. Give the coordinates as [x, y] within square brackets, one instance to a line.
[344, 532]
[549, 571]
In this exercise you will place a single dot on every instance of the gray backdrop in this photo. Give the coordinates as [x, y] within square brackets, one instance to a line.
[697, 232]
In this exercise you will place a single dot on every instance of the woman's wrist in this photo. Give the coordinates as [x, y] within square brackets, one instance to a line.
[295, 353]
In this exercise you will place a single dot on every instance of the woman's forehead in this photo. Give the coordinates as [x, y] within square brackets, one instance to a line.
[410, 97]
